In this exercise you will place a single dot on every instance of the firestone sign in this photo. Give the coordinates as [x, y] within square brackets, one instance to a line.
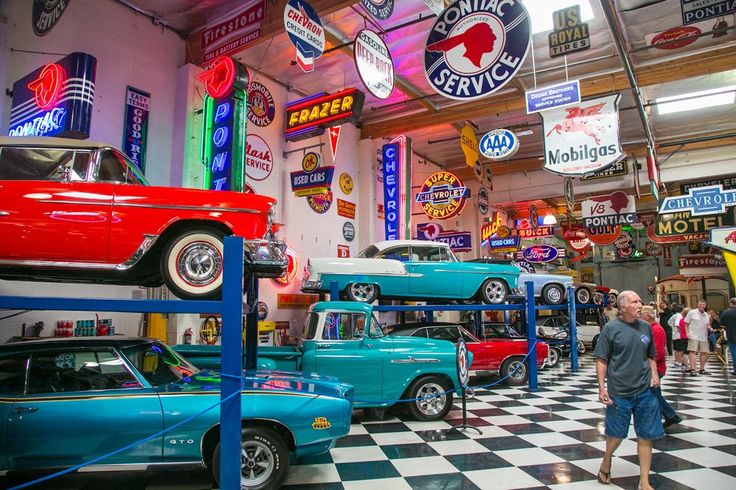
[583, 138]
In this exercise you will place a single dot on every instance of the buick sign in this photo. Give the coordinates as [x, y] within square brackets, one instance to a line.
[540, 253]
[499, 144]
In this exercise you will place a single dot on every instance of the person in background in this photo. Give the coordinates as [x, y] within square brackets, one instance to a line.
[626, 372]
[698, 326]
[669, 414]
[611, 312]
[682, 326]
[665, 314]
[653, 306]
[715, 331]
[728, 321]
[680, 345]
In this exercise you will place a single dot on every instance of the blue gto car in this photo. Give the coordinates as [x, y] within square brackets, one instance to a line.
[410, 269]
[66, 401]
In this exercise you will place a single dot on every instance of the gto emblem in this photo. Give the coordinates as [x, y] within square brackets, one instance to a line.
[181, 441]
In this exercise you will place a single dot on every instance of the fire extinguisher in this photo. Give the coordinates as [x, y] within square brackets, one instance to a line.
[188, 336]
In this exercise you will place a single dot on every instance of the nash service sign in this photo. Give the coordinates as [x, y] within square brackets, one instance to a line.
[582, 138]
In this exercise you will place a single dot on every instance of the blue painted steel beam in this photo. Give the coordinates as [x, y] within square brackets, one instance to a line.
[531, 337]
[573, 329]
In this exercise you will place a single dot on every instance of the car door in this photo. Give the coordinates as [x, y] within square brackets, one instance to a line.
[79, 404]
[12, 384]
[47, 211]
[432, 272]
[347, 352]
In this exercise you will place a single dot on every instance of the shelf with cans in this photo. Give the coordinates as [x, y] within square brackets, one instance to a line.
[100, 327]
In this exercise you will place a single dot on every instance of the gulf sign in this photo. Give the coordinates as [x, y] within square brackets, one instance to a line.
[55, 99]
[475, 48]
[442, 195]
[310, 116]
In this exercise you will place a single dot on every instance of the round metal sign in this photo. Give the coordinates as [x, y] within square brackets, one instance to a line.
[499, 144]
[310, 162]
[374, 63]
[348, 231]
[380, 9]
[262, 311]
[442, 195]
[463, 369]
[569, 195]
[483, 200]
[258, 158]
[346, 183]
[261, 107]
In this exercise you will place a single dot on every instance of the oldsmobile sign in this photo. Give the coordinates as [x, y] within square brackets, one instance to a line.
[582, 138]
[476, 47]
[442, 195]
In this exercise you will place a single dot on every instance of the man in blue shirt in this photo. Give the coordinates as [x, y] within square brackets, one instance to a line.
[626, 369]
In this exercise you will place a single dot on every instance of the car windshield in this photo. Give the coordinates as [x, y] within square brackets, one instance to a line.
[500, 331]
[158, 363]
[117, 167]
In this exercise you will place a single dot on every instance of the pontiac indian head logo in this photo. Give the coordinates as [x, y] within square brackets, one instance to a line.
[219, 78]
[47, 87]
[474, 50]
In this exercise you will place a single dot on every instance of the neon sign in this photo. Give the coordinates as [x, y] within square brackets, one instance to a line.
[391, 185]
[310, 116]
[442, 195]
[55, 99]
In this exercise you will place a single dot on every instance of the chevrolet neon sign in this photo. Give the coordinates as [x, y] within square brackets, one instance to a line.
[310, 116]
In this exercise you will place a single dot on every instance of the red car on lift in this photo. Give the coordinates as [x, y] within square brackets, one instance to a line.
[80, 211]
[500, 356]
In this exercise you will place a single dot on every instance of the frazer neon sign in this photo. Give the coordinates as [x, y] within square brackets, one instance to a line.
[310, 116]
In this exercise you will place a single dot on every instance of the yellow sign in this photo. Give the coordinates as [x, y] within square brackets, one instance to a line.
[309, 116]
[296, 301]
[321, 423]
[730, 259]
[346, 183]
[469, 145]
[310, 162]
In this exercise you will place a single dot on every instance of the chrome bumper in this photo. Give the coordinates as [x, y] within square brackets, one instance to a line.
[265, 258]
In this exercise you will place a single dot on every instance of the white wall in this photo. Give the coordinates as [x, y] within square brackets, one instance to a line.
[130, 50]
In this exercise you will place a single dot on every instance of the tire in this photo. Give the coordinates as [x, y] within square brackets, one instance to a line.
[362, 292]
[376, 413]
[582, 296]
[493, 291]
[520, 375]
[191, 264]
[264, 460]
[581, 347]
[429, 409]
[598, 298]
[553, 294]
[553, 358]
[595, 341]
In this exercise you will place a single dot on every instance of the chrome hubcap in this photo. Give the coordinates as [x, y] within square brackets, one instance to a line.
[433, 405]
[199, 263]
[256, 463]
[583, 296]
[362, 292]
[518, 370]
[554, 295]
[495, 291]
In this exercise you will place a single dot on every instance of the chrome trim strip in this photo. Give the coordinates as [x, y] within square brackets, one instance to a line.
[151, 206]
[50, 263]
[147, 243]
[4, 213]
[412, 360]
[135, 466]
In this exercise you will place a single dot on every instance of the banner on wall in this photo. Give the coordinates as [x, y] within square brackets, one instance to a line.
[55, 99]
[135, 134]
[234, 33]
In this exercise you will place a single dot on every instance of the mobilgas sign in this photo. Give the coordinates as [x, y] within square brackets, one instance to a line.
[311, 183]
[694, 11]
[46, 13]
[310, 116]
[459, 241]
[499, 144]
[712, 199]
[374, 63]
[442, 195]
[55, 99]
[570, 33]
[475, 48]
[583, 138]
[380, 9]
[391, 190]
[135, 135]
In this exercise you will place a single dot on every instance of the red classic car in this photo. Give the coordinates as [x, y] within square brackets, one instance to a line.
[81, 211]
[500, 355]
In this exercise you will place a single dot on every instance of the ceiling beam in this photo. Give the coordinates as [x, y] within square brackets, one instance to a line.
[707, 63]
[272, 25]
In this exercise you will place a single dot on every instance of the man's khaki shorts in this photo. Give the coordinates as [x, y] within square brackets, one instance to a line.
[697, 345]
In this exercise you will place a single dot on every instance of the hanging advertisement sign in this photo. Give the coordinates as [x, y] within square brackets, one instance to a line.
[684, 227]
[135, 132]
[699, 201]
[305, 32]
[694, 11]
[507, 244]
[499, 144]
[345, 209]
[310, 116]
[702, 265]
[725, 182]
[55, 99]
[442, 195]
[551, 96]
[724, 238]
[624, 245]
[469, 145]
[675, 38]
[540, 254]
[436, 6]
[380, 9]
[334, 134]
[312, 183]
[538, 232]
[233, 33]
[46, 13]
[576, 237]
[618, 169]
[391, 190]
[492, 228]
[583, 138]
[258, 158]
[374, 63]
[483, 200]
[459, 241]
[224, 119]
[261, 107]
[570, 34]
[475, 48]
[613, 209]
[603, 235]
[348, 231]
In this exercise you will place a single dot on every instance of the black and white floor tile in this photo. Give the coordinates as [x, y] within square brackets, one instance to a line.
[552, 438]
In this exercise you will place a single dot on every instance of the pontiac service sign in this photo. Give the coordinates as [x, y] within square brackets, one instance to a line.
[582, 138]
[475, 48]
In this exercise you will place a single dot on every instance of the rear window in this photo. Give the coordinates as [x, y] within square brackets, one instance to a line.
[57, 164]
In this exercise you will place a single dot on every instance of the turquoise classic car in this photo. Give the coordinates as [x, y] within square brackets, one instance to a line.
[343, 339]
[66, 402]
[410, 269]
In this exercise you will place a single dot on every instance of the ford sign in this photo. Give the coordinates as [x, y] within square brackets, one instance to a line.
[540, 253]
[499, 144]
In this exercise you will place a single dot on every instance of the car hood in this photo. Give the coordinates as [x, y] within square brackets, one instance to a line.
[355, 265]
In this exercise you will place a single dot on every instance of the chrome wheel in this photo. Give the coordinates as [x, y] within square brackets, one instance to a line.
[191, 264]
[582, 295]
[365, 293]
[199, 263]
[494, 291]
[436, 402]
[256, 463]
[553, 357]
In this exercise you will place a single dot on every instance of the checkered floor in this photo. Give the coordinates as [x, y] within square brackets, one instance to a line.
[548, 439]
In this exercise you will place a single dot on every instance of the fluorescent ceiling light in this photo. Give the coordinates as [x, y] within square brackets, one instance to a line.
[696, 100]
[541, 12]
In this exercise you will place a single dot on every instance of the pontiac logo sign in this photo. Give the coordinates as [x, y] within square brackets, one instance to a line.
[475, 48]
[442, 195]
[712, 199]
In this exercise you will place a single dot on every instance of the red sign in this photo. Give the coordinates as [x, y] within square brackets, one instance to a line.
[576, 237]
[603, 235]
[310, 116]
[334, 133]
[47, 86]
[296, 301]
[345, 209]
[291, 268]
[219, 78]
[233, 46]
[224, 32]
[675, 238]
[675, 38]
[343, 251]
[539, 232]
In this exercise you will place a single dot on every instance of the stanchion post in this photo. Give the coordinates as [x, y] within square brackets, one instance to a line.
[251, 323]
[232, 349]
[531, 335]
[334, 291]
[571, 310]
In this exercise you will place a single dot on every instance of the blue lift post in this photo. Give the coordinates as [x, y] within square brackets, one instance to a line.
[531, 335]
[232, 361]
[571, 312]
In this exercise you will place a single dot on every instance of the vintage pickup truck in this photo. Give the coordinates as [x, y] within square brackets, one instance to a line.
[344, 339]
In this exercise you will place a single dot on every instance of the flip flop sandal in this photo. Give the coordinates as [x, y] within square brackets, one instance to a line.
[606, 480]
